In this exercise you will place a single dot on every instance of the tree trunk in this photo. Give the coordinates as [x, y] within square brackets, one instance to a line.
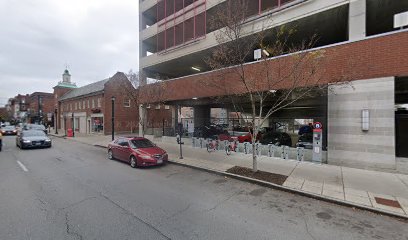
[254, 158]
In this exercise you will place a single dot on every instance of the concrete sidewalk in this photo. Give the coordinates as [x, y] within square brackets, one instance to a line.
[371, 190]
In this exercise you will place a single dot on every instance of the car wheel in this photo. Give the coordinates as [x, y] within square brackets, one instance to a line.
[133, 162]
[110, 155]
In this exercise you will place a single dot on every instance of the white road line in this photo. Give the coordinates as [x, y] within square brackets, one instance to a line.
[22, 166]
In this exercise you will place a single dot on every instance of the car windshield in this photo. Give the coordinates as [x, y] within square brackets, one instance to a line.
[9, 128]
[40, 127]
[33, 134]
[141, 143]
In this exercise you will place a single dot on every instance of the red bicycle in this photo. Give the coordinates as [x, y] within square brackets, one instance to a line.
[212, 145]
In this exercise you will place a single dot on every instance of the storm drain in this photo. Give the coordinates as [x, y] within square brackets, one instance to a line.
[387, 202]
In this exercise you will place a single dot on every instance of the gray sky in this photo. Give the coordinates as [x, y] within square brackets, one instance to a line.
[96, 38]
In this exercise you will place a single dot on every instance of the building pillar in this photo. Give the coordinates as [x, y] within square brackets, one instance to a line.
[357, 19]
[348, 143]
[202, 116]
[142, 119]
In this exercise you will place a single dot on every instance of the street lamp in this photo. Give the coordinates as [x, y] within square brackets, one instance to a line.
[113, 118]
[73, 125]
[56, 121]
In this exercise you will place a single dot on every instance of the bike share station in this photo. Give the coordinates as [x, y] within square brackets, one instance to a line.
[308, 112]
[315, 155]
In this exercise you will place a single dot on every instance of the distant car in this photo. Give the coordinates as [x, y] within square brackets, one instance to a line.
[205, 132]
[305, 141]
[137, 151]
[35, 127]
[277, 138]
[8, 130]
[32, 139]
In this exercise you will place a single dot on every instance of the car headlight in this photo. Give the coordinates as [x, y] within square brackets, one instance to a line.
[26, 141]
[48, 140]
[145, 157]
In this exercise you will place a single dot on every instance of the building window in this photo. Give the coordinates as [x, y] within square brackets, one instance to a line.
[70, 107]
[93, 103]
[167, 107]
[83, 105]
[126, 102]
[76, 105]
[99, 102]
[79, 105]
[157, 106]
[88, 103]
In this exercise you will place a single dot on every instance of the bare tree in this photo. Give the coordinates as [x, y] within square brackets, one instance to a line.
[154, 93]
[271, 85]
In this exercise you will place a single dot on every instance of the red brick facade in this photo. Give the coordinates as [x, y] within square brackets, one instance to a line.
[46, 100]
[375, 57]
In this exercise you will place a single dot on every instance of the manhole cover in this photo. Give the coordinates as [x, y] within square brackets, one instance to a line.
[387, 202]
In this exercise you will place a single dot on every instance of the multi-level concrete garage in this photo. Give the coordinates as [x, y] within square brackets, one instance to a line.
[361, 46]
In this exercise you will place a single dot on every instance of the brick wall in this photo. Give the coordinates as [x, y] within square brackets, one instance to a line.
[126, 118]
[371, 58]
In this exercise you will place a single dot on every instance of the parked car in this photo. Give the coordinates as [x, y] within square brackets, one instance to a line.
[32, 139]
[9, 130]
[208, 132]
[137, 151]
[305, 141]
[277, 138]
[35, 127]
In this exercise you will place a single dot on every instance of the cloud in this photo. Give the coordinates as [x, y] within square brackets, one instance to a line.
[95, 38]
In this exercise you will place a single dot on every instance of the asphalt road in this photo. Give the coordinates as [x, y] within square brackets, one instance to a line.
[72, 191]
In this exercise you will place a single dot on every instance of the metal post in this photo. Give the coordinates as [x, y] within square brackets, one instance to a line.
[113, 118]
[73, 125]
[65, 125]
[56, 121]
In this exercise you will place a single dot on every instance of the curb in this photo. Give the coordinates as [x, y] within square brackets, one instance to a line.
[294, 191]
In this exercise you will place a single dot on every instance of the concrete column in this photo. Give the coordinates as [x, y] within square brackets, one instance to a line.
[142, 119]
[357, 19]
[202, 116]
[348, 144]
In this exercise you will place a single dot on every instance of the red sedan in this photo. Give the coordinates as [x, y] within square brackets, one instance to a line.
[137, 151]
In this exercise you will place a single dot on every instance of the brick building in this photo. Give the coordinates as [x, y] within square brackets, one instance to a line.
[360, 42]
[41, 108]
[88, 109]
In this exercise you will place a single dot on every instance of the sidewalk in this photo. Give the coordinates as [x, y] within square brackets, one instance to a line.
[376, 191]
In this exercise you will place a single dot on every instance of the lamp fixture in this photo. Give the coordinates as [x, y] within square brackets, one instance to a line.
[265, 52]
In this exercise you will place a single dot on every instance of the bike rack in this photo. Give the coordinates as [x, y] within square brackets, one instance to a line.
[258, 149]
[300, 154]
[271, 150]
[246, 147]
[285, 152]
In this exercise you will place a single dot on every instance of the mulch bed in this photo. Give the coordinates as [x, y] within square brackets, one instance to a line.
[260, 175]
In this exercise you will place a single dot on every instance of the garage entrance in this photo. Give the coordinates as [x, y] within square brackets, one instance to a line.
[401, 117]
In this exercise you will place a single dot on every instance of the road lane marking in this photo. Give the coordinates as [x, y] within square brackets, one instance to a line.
[22, 166]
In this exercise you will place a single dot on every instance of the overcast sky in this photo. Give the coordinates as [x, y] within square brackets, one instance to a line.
[96, 38]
